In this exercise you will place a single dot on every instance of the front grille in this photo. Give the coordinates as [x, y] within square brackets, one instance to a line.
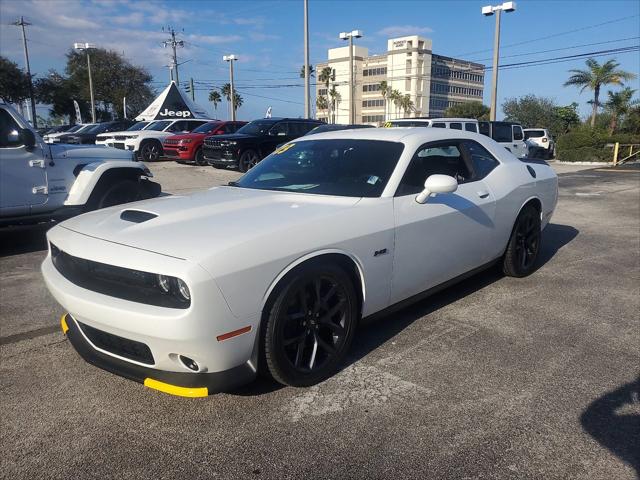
[209, 142]
[120, 137]
[170, 152]
[116, 345]
[119, 145]
[119, 282]
[169, 141]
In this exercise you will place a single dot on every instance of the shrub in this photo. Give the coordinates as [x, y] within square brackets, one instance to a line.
[586, 144]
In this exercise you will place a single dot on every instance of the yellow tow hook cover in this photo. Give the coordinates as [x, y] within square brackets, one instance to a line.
[191, 392]
[63, 324]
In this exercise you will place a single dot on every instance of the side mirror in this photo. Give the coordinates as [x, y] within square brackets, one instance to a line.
[437, 184]
[28, 138]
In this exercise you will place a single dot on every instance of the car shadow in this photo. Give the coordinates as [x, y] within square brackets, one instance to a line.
[23, 239]
[613, 420]
[375, 332]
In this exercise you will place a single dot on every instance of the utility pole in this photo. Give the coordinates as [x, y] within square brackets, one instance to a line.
[32, 112]
[232, 93]
[86, 47]
[487, 12]
[307, 93]
[174, 45]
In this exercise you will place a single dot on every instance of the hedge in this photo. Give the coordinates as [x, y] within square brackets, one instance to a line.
[586, 144]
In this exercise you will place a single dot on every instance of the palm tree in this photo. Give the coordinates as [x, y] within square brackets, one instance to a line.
[396, 97]
[326, 76]
[215, 98]
[336, 98]
[311, 71]
[323, 104]
[619, 104]
[407, 104]
[385, 90]
[595, 77]
[237, 101]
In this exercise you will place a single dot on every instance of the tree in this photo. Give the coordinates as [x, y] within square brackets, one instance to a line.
[311, 71]
[618, 105]
[530, 111]
[385, 90]
[595, 77]
[14, 83]
[237, 98]
[323, 104]
[566, 118]
[336, 98]
[396, 97]
[406, 104]
[215, 98]
[468, 110]
[325, 77]
[237, 101]
[631, 122]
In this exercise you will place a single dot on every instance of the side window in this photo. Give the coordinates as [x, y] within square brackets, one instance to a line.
[280, 129]
[443, 158]
[482, 161]
[517, 132]
[177, 126]
[307, 127]
[471, 127]
[9, 131]
[455, 125]
[484, 128]
[232, 127]
[502, 132]
[439, 125]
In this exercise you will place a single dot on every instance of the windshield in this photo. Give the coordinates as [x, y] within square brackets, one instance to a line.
[343, 167]
[257, 127]
[99, 128]
[206, 128]
[137, 126]
[533, 134]
[75, 128]
[86, 128]
[159, 125]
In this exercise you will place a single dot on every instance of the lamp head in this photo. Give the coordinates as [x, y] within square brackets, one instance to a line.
[487, 11]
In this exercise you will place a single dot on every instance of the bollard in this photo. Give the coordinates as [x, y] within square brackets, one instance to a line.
[615, 153]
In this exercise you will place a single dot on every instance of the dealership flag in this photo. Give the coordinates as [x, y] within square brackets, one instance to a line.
[268, 112]
[78, 114]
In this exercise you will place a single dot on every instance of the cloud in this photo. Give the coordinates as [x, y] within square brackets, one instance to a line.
[262, 37]
[403, 30]
[213, 39]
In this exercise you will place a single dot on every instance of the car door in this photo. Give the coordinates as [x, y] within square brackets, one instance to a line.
[448, 235]
[23, 177]
[519, 146]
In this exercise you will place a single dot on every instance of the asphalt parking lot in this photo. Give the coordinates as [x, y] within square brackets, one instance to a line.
[493, 378]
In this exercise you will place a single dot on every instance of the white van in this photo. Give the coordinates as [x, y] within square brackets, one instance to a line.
[468, 124]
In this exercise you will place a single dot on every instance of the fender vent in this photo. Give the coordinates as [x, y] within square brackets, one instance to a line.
[136, 216]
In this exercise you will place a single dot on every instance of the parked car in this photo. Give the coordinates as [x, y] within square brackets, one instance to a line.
[54, 129]
[507, 134]
[108, 139]
[55, 137]
[334, 127]
[326, 230]
[540, 142]
[146, 144]
[187, 147]
[468, 124]
[42, 182]
[88, 137]
[254, 141]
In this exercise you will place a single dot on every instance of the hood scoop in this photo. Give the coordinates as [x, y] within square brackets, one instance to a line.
[136, 216]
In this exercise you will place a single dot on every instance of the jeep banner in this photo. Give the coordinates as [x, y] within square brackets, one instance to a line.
[172, 104]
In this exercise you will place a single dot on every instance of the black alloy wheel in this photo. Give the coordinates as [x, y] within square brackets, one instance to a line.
[199, 158]
[524, 244]
[311, 326]
[151, 151]
[248, 160]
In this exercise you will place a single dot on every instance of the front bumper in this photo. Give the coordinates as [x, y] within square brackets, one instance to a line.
[176, 383]
[220, 157]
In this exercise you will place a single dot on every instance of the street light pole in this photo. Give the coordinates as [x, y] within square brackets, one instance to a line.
[231, 59]
[352, 102]
[87, 47]
[32, 111]
[307, 93]
[488, 11]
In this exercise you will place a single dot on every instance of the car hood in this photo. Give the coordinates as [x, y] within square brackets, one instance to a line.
[205, 224]
[95, 154]
[181, 136]
[233, 136]
[151, 134]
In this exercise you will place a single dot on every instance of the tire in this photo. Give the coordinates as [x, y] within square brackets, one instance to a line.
[549, 153]
[306, 334]
[523, 248]
[121, 191]
[151, 151]
[199, 158]
[248, 160]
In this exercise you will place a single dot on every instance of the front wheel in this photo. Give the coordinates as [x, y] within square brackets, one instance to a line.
[310, 326]
[151, 151]
[199, 158]
[248, 160]
[524, 245]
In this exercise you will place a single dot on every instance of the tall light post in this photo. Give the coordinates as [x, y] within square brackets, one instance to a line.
[231, 59]
[307, 94]
[487, 12]
[86, 47]
[352, 103]
[32, 112]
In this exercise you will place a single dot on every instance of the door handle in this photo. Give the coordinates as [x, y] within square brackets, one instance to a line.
[36, 163]
[483, 194]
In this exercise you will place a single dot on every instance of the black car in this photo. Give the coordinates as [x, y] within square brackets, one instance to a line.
[254, 141]
[89, 136]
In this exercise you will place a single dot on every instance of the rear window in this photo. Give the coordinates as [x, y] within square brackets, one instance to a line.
[501, 132]
[471, 127]
[533, 133]
[406, 124]
[456, 125]
[439, 125]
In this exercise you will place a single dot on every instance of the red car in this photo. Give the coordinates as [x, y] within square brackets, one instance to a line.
[187, 147]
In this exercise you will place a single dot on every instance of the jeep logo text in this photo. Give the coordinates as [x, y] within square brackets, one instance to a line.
[171, 113]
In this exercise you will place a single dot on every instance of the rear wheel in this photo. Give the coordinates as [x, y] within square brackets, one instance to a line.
[524, 245]
[151, 151]
[248, 160]
[310, 325]
[199, 158]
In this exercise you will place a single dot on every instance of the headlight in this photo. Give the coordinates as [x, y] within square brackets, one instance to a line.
[231, 143]
[130, 137]
[175, 287]
[184, 141]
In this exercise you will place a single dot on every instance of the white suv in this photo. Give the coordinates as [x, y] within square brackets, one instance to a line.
[540, 141]
[468, 124]
[106, 139]
[147, 144]
[507, 134]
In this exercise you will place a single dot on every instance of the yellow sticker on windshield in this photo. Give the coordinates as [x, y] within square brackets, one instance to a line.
[387, 125]
[283, 148]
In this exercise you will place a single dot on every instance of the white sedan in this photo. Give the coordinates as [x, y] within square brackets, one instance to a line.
[196, 294]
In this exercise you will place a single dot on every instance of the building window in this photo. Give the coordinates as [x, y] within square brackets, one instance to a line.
[372, 118]
[377, 102]
[370, 72]
[371, 87]
[322, 91]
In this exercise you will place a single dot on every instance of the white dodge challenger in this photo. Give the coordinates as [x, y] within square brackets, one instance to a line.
[196, 294]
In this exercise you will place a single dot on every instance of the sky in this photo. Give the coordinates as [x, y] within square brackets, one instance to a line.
[267, 37]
